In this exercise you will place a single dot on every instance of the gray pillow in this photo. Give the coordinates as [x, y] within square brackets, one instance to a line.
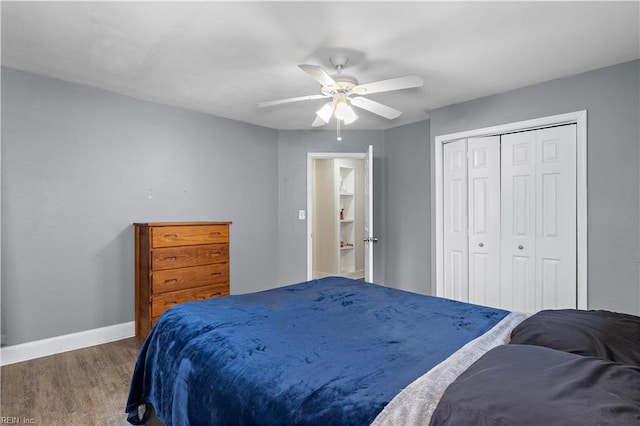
[607, 335]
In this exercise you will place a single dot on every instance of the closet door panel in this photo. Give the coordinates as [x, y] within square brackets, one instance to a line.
[520, 295]
[556, 217]
[456, 258]
[484, 220]
[518, 243]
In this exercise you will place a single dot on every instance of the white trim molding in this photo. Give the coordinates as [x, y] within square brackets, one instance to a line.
[67, 342]
[580, 119]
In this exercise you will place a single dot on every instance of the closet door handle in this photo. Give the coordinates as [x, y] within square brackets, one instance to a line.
[481, 245]
[520, 247]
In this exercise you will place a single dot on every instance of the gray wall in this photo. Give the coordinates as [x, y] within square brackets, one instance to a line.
[408, 230]
[78, 167]
[79, 164]
[293, 147]
[611, 97]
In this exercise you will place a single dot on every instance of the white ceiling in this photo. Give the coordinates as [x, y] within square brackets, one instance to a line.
[224, 57]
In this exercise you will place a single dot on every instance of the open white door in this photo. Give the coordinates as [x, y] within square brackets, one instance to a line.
[369, 238]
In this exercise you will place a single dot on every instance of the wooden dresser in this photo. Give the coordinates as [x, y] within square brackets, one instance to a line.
[177, 262]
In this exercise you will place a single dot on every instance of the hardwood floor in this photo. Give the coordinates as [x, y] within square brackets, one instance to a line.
[82, 387]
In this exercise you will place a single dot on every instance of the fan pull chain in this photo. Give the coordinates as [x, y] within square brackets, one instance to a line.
[339, 138]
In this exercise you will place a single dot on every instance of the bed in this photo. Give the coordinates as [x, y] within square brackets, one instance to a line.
[329, 351]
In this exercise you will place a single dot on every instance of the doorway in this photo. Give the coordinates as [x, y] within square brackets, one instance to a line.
[340, 215]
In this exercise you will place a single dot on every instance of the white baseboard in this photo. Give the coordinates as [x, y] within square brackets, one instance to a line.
[357, 275]
[68, 342]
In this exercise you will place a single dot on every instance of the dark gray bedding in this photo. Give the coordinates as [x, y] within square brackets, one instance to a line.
[533, 385]
[562, 367]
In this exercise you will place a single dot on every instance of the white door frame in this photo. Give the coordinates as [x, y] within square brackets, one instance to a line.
[580, 119]
[311, 156]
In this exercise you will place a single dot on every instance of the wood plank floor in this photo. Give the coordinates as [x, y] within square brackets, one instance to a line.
[82, 387]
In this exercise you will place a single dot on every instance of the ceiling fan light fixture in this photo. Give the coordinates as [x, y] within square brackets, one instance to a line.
[325, 112]
[344, 112]
[351, 119]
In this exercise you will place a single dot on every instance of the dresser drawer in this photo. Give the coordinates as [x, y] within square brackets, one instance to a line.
[171, 236]
[180, 257]
[194, 276]
[162, 302]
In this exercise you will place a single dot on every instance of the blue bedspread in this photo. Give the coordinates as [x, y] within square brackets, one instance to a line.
[330, 351]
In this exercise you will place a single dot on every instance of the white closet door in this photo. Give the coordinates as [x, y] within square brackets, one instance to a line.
[538, 262]
[518, 242]
[556, 278]
[484, 220]
[456, 280]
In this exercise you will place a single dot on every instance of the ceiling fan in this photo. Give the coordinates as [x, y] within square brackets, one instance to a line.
[345, 92]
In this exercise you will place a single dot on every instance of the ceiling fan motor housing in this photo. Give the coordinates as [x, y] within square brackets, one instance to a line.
[345, 83]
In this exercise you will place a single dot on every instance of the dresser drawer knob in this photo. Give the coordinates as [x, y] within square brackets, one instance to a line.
[214, 233]
[170, 258]
[171, 235]
[214, 274]
[172, 280]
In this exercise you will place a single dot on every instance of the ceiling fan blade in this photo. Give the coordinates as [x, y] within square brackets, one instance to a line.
[319, 75]
[286, 101]
[398, 83]
[375, 107]
[318, 122]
